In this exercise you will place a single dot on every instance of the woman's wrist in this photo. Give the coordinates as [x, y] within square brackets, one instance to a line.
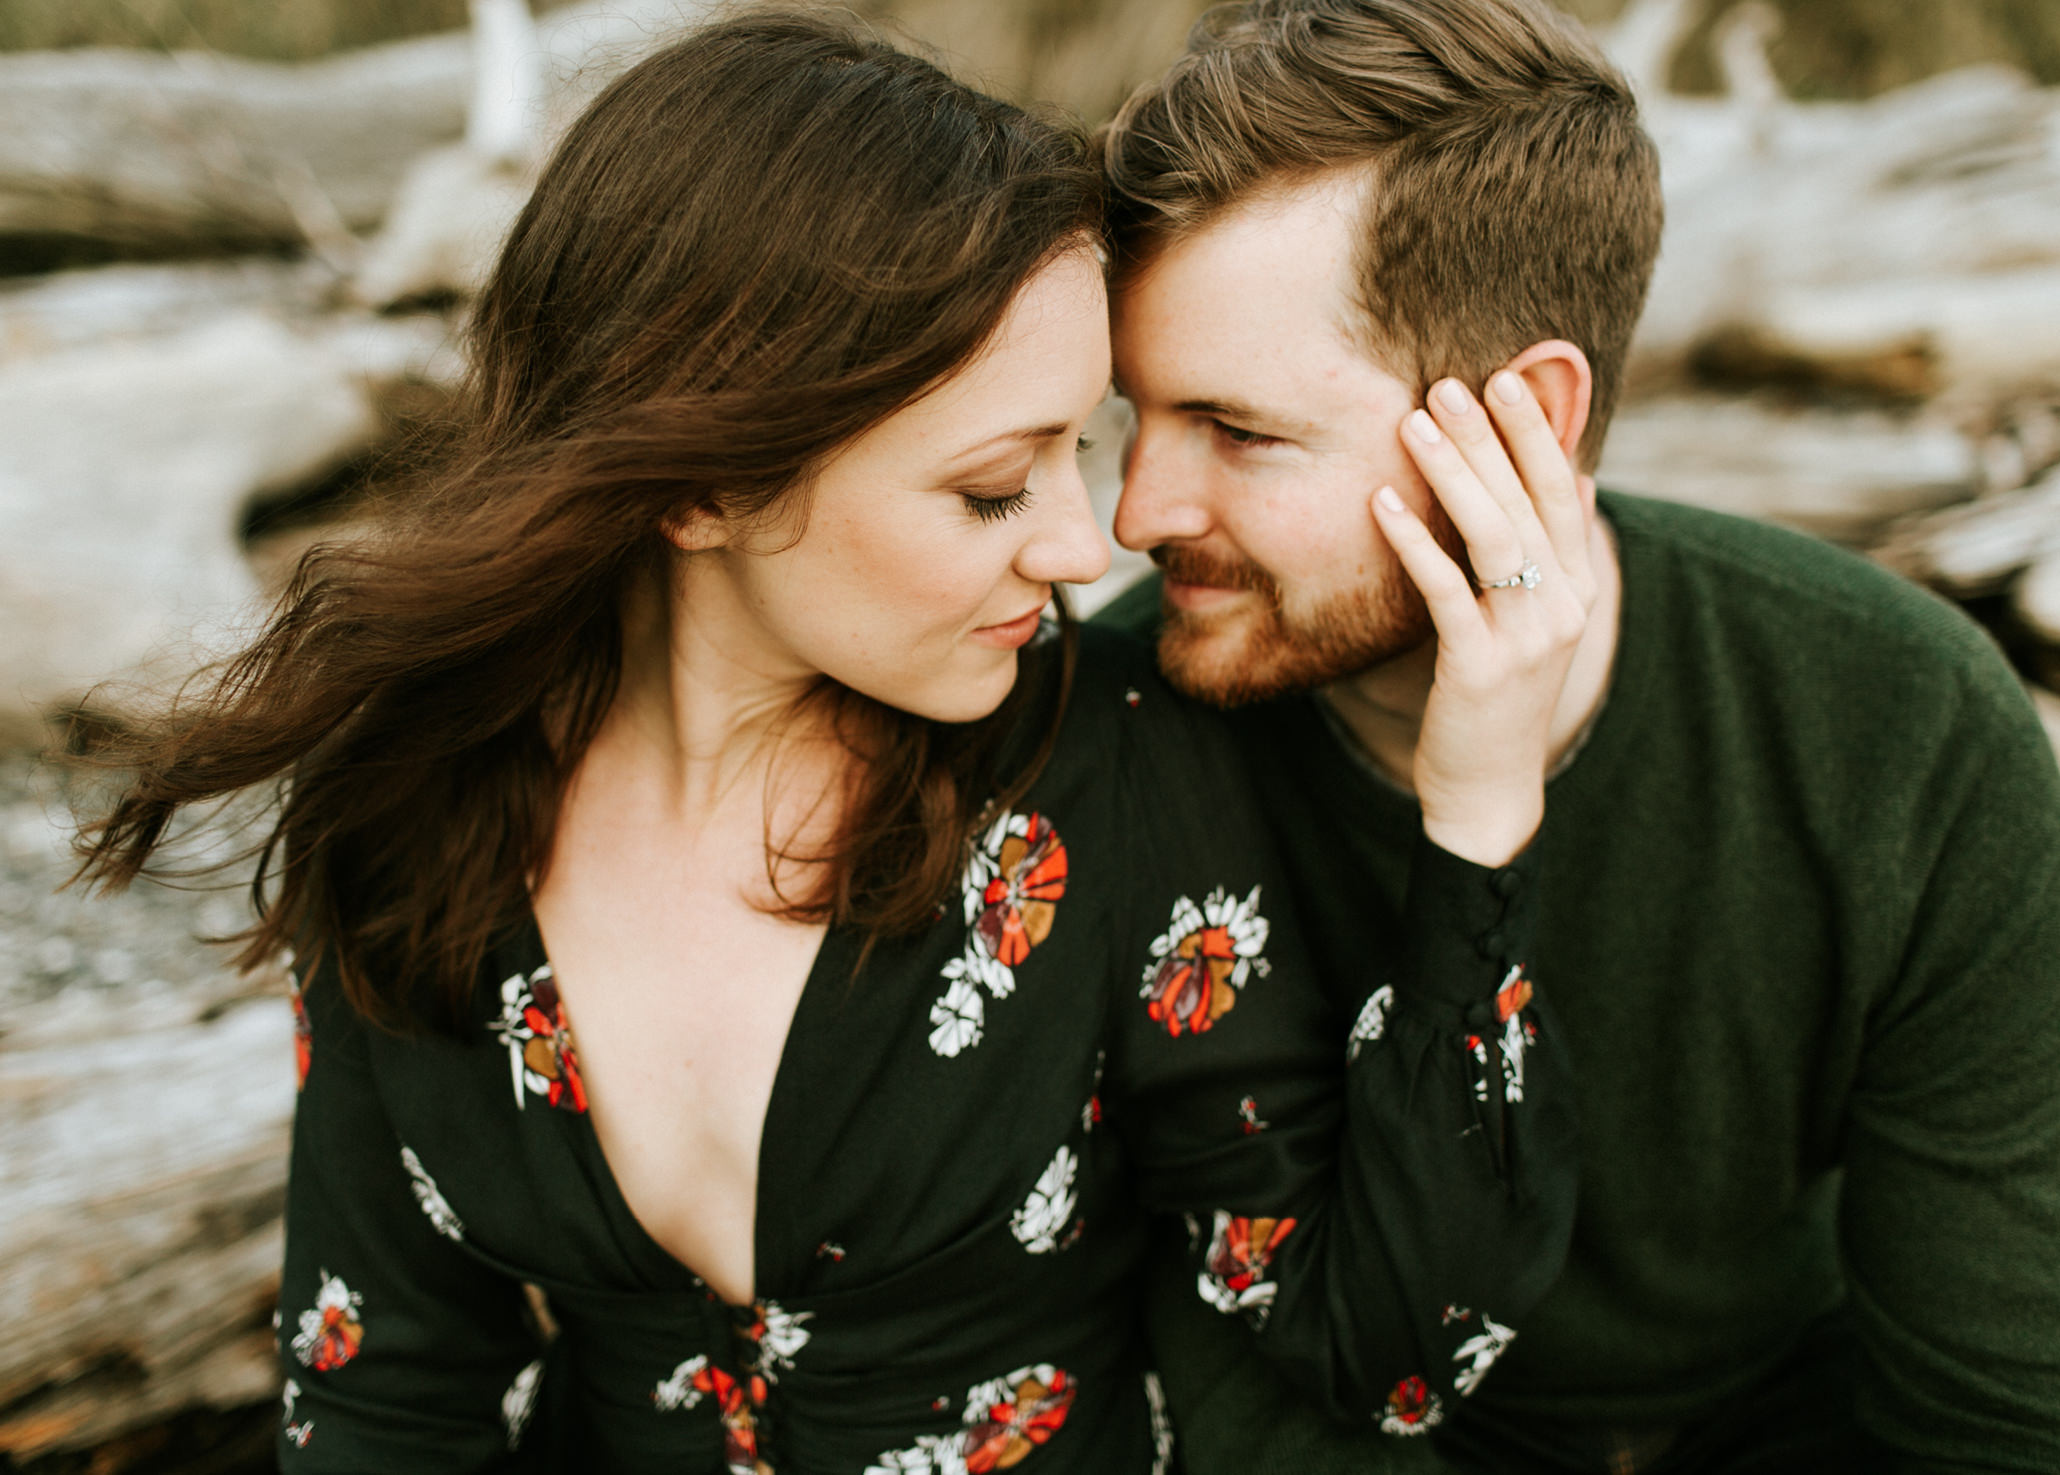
[1487, 830]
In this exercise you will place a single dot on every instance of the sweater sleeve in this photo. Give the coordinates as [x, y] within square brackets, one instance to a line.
[399, 1350]
[1950, 1216]
[1382, 1198]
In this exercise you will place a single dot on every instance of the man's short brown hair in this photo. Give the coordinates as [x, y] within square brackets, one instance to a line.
[1515, 196]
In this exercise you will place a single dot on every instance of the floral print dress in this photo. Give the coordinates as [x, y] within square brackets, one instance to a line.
[1108, 1045]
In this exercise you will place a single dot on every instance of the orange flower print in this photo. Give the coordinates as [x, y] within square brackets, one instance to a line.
[1008, 1418]
[1517, 1032]
[1514, 995]
[696, 1379]
[1204, 957]
[303, 1034]
[1005, 1419]
[1233, 1274]
[1013, 882]
[330, 1333]
[1019, 901]
[1412, 1409]
[533, 1028]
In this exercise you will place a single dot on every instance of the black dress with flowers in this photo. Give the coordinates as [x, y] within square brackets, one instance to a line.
[964, 1148]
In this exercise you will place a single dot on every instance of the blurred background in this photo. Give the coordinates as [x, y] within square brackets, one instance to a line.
[237, 238]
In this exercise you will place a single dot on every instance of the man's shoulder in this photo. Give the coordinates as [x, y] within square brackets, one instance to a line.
[1806, 607]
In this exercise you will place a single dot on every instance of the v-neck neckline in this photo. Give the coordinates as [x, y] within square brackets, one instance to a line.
[659, 1265]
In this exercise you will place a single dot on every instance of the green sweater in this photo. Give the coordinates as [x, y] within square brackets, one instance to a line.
[1799, 927]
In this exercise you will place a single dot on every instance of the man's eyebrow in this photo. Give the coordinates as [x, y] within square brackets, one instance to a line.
[1229, 408]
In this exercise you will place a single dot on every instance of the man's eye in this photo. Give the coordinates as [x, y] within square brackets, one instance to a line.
[1237, 435]
[995, 509]
[1083, 445]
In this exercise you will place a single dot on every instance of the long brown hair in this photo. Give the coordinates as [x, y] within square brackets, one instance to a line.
[753, 246]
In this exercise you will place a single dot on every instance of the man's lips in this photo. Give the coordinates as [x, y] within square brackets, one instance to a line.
[1011, 634]
[1197, 597]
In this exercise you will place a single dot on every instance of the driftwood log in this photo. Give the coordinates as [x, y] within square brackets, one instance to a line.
[147, 1092]
[1906, 250]
[151, 154]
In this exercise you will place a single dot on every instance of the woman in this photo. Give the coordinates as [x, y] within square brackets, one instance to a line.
[700, 705]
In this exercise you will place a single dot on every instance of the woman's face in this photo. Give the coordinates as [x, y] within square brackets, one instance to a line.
[934, 539]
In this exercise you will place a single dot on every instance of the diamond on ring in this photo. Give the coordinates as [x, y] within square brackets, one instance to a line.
[1526, 577]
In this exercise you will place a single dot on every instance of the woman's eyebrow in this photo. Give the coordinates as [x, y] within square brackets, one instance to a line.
[1033, 433]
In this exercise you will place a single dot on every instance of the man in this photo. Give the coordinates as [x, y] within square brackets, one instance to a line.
[1802, 841]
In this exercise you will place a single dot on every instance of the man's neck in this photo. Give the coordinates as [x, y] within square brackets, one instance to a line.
[1383, 707]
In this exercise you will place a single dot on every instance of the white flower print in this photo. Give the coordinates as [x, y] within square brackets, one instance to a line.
[957, 1018]
[297, 1433]
[678, 1391]
[780, 1336]
[441, 1216]
[930, 1455]
[1480, 1353]
[331, 1332]
[1372, 1023]
[519, 1402]
[984, 865]
[1045, 1214]
[1513, 1044]
[1162, 1425]
[975, 966]
[1204, 957]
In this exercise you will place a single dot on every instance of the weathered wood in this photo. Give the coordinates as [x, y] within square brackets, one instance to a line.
[124, 470]
[145, 1095]
[1978, 548]
[190, 151]
[1841, 476]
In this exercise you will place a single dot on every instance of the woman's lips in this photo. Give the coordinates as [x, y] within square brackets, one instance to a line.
[1012, 635]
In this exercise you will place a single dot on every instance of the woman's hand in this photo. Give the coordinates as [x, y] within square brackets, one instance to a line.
[1503, 652]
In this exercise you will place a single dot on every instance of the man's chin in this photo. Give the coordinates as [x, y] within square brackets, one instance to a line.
[1263, 654]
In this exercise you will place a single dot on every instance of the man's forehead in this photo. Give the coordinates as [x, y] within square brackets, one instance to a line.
[1265, 293]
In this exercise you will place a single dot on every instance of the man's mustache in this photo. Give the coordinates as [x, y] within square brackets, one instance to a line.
[1185, 563]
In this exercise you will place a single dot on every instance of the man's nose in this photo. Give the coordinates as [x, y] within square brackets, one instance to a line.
[1163, 500]
[1068, 546]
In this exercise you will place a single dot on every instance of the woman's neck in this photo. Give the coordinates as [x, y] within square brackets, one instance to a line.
[709, 718]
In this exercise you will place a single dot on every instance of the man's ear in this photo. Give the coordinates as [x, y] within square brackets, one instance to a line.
[1564, 384]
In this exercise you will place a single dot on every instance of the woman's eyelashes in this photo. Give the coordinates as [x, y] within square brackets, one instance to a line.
[994, 509]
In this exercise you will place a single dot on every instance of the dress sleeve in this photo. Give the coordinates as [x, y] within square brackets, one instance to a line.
[1950, 1214]
[399, 1350]
[1382, 1198]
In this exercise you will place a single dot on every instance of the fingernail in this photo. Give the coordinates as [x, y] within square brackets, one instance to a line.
[1387, 498]
[1424, 427]
[1453, 396]
[1507, 388]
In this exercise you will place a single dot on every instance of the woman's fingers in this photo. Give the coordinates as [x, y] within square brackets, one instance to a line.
[1549, 480]
[1495, 542]
[1454, 609]
[1477, 439]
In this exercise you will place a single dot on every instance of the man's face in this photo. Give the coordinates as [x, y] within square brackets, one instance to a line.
[1263, 429]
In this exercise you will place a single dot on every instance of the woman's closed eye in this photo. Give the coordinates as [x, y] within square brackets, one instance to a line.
[990, 508]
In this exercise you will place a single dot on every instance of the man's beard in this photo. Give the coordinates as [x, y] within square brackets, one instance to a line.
[1277, 652]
